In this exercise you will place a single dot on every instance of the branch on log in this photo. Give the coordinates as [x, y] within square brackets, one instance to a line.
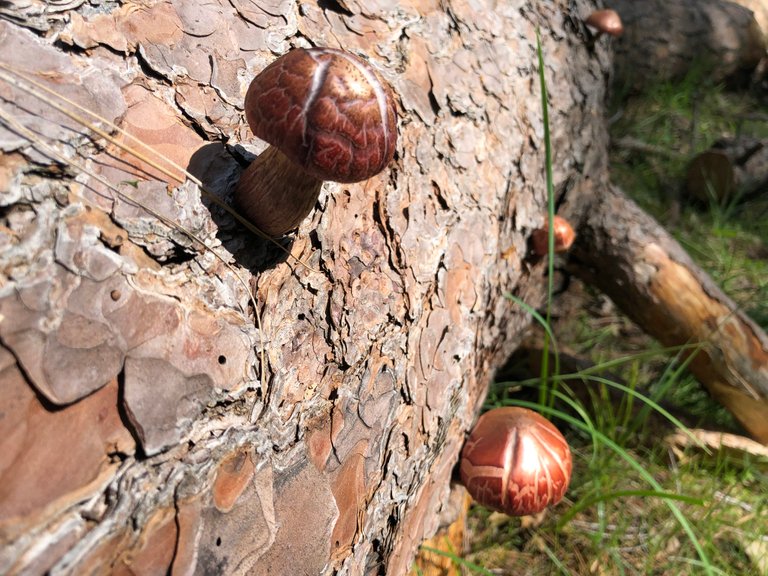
[628, 255]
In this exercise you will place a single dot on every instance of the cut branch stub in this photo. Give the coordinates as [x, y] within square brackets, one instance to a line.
[732, 167]
[516, 461]
[327, 116]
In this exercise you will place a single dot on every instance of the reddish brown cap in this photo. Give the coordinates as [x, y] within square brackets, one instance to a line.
[564, 237]
[327, 110]
[606, 21]
[516, 461]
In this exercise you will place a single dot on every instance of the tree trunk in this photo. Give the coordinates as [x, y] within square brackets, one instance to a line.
[664, 40]
[148, 434]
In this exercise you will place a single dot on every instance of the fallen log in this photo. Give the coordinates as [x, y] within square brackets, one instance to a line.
[665, 40]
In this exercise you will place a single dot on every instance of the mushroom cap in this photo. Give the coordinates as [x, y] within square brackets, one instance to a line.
[516, 461]
[606, 21]
[326, 110]
[564, 237]
[564, 234]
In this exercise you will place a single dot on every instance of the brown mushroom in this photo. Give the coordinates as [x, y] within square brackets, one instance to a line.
[605, 22]
[564, 237]
[327, 115]
[515, 461]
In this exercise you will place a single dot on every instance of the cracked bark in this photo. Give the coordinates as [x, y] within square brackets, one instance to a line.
[132, 347]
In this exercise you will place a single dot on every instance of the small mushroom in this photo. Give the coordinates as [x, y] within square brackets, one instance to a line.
[605, 22]
[515, 461]
[327, 115]
[564, 237]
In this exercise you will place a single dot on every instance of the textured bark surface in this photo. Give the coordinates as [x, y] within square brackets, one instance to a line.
[664, 39]
[143, 432]
[644, 270]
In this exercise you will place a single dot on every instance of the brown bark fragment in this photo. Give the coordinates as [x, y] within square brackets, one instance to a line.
[153, 552]
[161, 415]
[35, 481]
[232, 477]
[126, 27]
[304, 519]
[349, 491]
[188, 511]
[236, 541]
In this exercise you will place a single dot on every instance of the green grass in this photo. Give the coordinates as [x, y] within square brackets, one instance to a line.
[635, 505]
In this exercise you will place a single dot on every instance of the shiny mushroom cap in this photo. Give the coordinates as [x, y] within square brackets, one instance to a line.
[326, 110]
[606, 22]
[564, 237]
[515, 461]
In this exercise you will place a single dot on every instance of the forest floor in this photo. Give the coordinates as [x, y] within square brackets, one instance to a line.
[643, 499]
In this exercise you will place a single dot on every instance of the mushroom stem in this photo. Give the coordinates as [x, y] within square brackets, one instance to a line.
[274, 194]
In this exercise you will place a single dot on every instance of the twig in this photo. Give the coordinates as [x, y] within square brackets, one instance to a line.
[635, 145]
